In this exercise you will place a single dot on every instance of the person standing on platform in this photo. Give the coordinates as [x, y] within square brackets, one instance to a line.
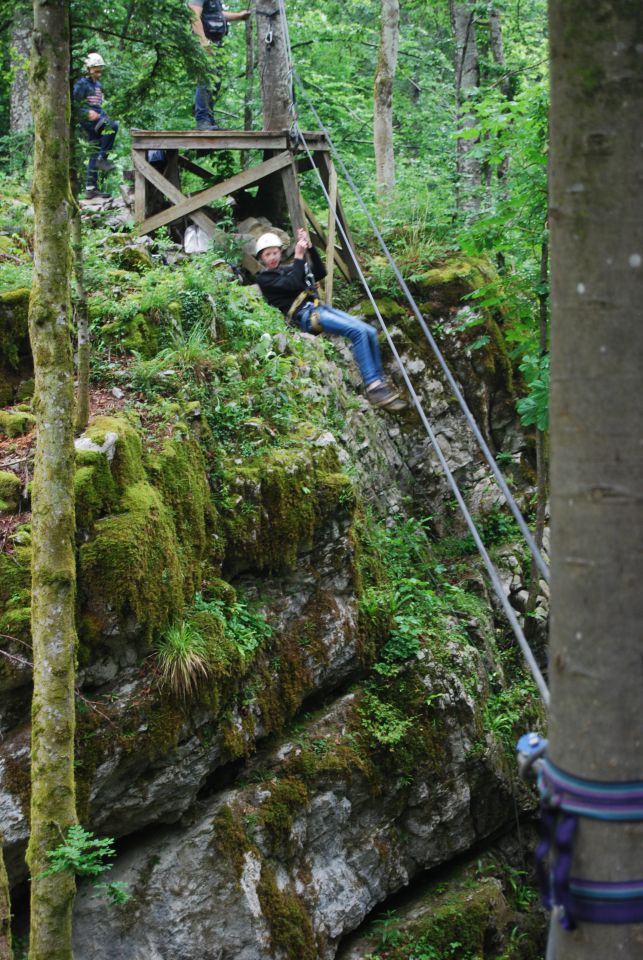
[210, 24]
[98, 129]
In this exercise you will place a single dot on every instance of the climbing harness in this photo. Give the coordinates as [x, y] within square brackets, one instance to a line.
[313, 316]
[564, 799]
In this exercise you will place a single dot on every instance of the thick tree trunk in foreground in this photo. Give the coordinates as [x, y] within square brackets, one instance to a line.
[597, 431]
[383, 100]
[276, 99]
[20, 109]
[5, 911]
[53, 569]
[467, 78]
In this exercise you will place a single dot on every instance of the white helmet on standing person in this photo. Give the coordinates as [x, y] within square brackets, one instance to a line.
[93, 60]
[267, 240]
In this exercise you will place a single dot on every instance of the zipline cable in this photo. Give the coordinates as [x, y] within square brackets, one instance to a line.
[502, 483]
[491, 570]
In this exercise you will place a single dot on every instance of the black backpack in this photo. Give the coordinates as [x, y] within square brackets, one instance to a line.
[215, 25]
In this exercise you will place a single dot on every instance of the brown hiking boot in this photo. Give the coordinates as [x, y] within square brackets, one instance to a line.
[384, 396]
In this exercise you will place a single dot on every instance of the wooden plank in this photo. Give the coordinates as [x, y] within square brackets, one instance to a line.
[196, 169]
[147, 171]
[321, 233]
[324, 169]
[330, 244]
[185, 206]
[293, 198]
[140, 192]
[223, 140]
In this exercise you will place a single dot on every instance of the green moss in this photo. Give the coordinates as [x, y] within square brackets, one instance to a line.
[15, 604]
[230, 840]
[9, 492]
[15, 424]
[127, 465]
[283, 498]
[132, 566]
[390, 309]
[288, 797]
[139, 333]
[14, 334]
[95, 490]
[291, 930]
[178, 472]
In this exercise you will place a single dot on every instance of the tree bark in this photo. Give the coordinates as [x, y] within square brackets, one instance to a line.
[5, 910]
[53, 563]
[467, 80]
[383, 100]
[596, 218]
[20, 118]
[249, 81]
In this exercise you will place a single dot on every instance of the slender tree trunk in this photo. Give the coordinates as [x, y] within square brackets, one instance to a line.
[541, 459]
[383, 100]
[82, 323]
[467, 80]
[596, 729]
[20, 110]
[5, 910]
[53, 564]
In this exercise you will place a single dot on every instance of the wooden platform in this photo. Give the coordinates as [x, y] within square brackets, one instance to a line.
[284, 156]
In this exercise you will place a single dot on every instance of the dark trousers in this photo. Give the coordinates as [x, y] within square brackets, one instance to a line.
[100, 136]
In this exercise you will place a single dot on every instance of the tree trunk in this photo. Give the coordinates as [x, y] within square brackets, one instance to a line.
[383, 100]
[53, 564]
[5, 910]
[20, 111]
[596, 728]
[249, 81]
[467, 79]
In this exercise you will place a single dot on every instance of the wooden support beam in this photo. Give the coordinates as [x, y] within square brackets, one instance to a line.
[147, 172]
[324, 166]
[223, 140]
[186, 206]
[196, 168]
[321, 234]
[140, 193]
[293, 197]
[330, 244]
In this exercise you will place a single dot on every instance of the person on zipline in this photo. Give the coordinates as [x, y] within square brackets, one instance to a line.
[97, 127]
[292, 290]
[210, 24]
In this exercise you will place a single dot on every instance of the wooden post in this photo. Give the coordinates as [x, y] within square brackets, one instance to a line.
[140, 190]
[330, 243]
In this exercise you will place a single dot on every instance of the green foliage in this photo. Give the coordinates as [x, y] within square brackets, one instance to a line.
[534, 408]
[247, 630]
[85, 855]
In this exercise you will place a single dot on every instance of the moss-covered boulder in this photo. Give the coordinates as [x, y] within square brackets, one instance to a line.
[9, 492]
[15, 352]
[15, 423]
[278, 501]
[15, 616]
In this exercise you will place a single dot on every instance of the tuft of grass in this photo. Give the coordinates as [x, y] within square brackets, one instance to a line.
[183, 657]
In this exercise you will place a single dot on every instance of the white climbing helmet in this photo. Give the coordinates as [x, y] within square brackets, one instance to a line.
[267, 240]
[93, 60]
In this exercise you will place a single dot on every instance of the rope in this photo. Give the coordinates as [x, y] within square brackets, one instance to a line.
[502, 483]
[491, 570]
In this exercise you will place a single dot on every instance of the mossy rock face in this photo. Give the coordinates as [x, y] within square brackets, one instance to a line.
[134, 259]
[127, 464]
[9, 492]
[445, 285]
[131, 568]
[15, 615]
[95, 489]
[390, 309]
[15, 424]
[15, 351]
[138, 333]
[283, 498]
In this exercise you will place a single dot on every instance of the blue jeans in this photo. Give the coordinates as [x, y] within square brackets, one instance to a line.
[363, 338]
[101, 142]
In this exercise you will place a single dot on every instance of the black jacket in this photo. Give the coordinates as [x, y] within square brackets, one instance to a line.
[284, 284]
